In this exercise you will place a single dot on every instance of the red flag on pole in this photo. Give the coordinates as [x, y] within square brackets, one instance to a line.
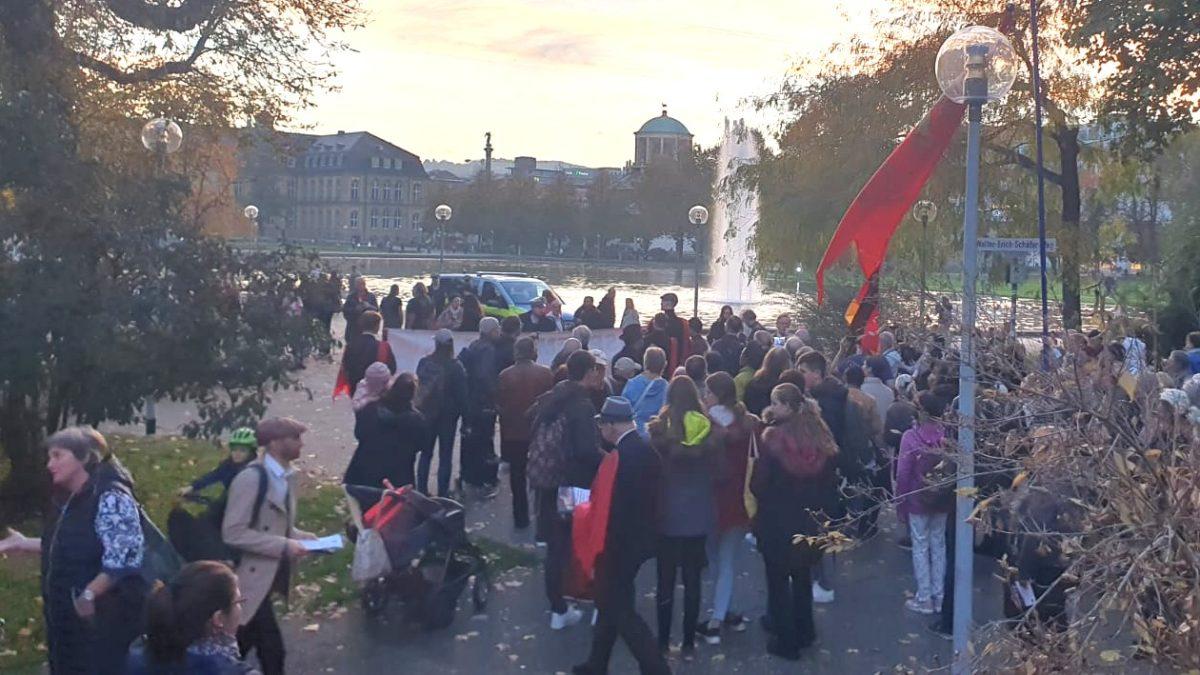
[883, 202]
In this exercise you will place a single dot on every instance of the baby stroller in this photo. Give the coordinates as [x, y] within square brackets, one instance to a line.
[431, 559]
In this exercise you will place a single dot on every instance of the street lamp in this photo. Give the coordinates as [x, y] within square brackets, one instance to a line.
[442, 213]
[251, 213]
[924, 211]
[162, 136]
[974, 66]
[799, 271]
[699, 216]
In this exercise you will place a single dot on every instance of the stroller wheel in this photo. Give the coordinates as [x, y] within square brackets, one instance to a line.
[440, 605]
[481, 589]
[375, 598]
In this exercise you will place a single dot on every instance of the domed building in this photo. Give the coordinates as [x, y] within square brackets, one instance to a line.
[662, 136]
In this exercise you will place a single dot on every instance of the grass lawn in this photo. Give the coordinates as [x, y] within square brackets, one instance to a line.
[160, 466]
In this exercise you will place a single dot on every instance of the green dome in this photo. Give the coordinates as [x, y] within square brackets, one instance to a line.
[664, 125]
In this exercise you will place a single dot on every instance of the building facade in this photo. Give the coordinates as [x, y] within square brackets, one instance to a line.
[337, 188]
[661, 136]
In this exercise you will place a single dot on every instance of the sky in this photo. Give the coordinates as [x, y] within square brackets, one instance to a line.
[567, 80]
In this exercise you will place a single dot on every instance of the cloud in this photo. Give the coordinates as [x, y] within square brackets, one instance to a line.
[550, 45]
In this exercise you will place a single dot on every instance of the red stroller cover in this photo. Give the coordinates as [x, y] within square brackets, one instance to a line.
[589, 527]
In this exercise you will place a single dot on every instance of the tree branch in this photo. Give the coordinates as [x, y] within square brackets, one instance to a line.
[152, 73]
[157, 15]
[1015, 157]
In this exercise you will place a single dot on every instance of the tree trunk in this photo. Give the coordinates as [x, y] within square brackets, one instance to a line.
[1069, 234]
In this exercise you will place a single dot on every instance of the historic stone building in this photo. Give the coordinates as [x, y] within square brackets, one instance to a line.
[661, 136]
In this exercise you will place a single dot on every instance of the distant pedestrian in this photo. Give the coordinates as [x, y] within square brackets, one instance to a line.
[391, 434]
[634, 345]
[588, 314]
[921, 505]
[451, 317]
[648, 391]
[442, 400]
[472, 314]
[420, 313]
[758, 390]
[358, 301]
[699, 345]
[679, 339]
[630, 316]
[730, 345]
[718, 327]
[364, 349]
[479, 462]
[608, 310]
[538, 319]
[392, 309]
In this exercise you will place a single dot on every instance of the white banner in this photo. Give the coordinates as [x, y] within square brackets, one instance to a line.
[410, 345]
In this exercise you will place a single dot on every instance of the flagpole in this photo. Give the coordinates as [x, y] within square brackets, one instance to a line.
[1041, 174]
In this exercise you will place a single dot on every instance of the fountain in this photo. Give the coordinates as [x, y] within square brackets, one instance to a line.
[733, 277]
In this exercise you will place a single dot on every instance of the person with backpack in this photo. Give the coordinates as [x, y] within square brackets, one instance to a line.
[93, 585]
[442, 398]
[793, 483]
[522, 383]
[260, 525]
[923, 505]
[482, 365]
[564, 452]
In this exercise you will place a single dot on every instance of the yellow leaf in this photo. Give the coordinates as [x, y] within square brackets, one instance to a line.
[1020, 479]
[967, 492]
[1153, 453]
[1110, 656]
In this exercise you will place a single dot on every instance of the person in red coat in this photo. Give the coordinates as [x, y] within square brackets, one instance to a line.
[678, 335]
[741, 433]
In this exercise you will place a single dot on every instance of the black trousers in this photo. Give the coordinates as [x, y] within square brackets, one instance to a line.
[444, 427]
[262, 634]
[478, 454]
[520, 491]
[684, 554]
[789, 597]
[556, 531]
[615, 598]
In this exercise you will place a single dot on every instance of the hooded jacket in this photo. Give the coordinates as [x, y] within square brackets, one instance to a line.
[692, 465]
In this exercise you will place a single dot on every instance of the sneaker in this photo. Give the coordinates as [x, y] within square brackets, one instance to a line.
[915, 605]
[736, 622]
[821, 595]
[565, 620]
[711, 633]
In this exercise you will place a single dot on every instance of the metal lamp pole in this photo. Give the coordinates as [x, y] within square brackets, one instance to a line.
[442, 213]
[699, 216]
[924, 211]
[974, 66]
[1041, 172]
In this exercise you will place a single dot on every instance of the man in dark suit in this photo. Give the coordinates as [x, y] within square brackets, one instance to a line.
[629, 541]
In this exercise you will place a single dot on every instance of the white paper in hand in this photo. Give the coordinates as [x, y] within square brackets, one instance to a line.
[323, 545]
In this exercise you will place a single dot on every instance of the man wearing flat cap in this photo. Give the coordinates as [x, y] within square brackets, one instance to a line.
[679, 339]
[260, 524]
[629, 541]
[538, 319]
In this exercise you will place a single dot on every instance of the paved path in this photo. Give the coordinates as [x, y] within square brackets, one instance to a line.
[866, 630]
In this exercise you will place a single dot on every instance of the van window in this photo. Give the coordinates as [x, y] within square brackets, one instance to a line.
[491, 296]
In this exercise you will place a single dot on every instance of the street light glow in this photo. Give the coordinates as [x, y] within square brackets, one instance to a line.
[162, 133]
[976, 53]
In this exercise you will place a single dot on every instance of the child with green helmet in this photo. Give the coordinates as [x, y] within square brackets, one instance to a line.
[243, 448]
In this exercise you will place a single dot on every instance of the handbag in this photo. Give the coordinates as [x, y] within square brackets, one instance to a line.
[748, 498]
[371, 559]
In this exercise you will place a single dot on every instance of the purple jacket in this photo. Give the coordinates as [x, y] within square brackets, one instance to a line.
[914, 461]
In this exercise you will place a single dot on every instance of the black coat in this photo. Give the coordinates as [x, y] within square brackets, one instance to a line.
[790, 503]
[71, 558]
[758, 393]
[608, 311]
[482, 364]
[388, 443]
[581, 448]
[532, 324]
[443, 387]
[730, 347]
[634, 535]
[361, 352]
[392, 309]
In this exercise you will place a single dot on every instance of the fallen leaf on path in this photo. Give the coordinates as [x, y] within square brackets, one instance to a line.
[312, 628]
[1110, 656]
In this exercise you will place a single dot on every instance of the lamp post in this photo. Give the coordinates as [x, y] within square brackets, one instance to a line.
[699, 216]
[162, 136]
[1041, 175]
[924, 211]
[974, 66]
[251, 213]
[799, 271]
[442, 213]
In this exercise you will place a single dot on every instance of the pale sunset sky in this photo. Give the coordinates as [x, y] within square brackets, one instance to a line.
[567, 80]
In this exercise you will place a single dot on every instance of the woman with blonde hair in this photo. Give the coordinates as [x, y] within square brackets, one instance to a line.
[794, 483]
[691, 449]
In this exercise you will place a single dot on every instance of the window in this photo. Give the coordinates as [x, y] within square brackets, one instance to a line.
[417, 192]
[354, 190]
[491, 296]
[416, 219]
[387, 162]
[387, 191]
[337, 189]
[375, 191]
[374, 219]
[354, 218]
[340, 159]
[328, 189]
[374, 162]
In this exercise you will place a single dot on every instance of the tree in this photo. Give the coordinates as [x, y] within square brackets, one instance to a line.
[1149, 55]
[667, 189]
[885, 81]
[109, 291]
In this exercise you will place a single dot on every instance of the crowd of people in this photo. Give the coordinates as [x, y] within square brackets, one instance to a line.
[722, 432]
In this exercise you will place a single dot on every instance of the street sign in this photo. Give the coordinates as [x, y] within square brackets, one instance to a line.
[1001, 245]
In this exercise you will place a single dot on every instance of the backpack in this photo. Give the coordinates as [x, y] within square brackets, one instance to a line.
[432, 395]
[547, 467]
[199, 537]
[938, 485]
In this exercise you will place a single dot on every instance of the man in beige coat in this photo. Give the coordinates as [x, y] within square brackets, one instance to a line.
[263, 531]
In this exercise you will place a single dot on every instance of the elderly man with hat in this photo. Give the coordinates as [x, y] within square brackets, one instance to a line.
[260, 523]
[679, 338]
[538, 319]
[629, 541]
[478, 452]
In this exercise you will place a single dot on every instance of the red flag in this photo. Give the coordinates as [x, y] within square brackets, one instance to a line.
[883, 202]
[862, 316]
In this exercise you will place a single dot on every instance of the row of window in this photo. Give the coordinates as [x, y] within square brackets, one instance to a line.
[385, 219]
[330, 189]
